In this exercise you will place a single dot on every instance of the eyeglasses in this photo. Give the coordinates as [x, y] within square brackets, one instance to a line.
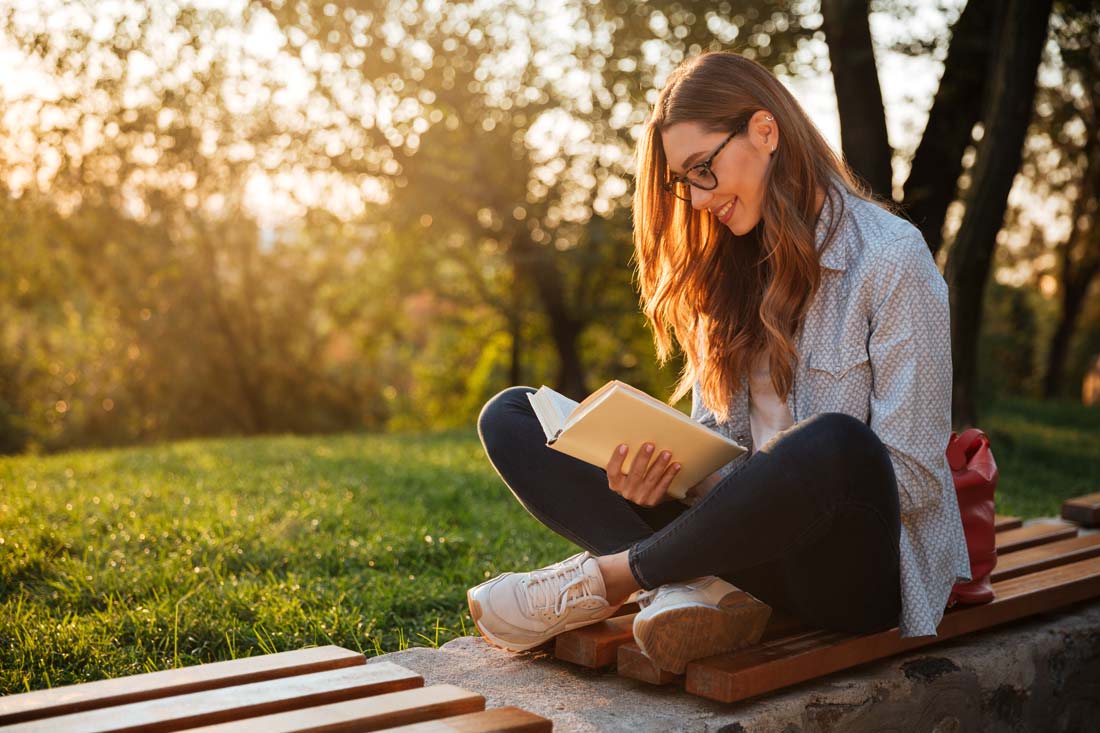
[700, 175]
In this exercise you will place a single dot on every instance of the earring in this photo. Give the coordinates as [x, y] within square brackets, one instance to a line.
[769, 118]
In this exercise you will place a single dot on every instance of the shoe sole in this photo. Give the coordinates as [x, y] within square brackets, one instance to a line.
[680, 634]
[476, 613]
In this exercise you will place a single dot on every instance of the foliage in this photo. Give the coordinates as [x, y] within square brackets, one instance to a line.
[459, 175]
[153, 303]
[1010, 332]
[1052, 231]
[309, 217]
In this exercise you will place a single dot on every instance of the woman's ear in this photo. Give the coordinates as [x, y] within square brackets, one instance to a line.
[764, 132]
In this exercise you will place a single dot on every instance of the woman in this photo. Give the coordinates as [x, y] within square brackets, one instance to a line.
[815, 329]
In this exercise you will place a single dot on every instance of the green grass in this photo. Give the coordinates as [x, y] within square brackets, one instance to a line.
[119, 562]
[124, 561]
[1045, 452]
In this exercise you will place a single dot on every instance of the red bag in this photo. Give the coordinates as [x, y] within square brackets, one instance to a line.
[975, 474]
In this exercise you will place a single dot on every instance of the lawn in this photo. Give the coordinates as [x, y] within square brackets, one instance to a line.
[114, 562]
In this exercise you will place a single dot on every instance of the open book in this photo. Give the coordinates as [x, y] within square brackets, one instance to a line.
[618, 413]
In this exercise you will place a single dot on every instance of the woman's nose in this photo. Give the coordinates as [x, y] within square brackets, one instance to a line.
[700, 197]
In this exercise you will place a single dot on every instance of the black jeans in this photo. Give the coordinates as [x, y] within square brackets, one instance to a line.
[809, 524]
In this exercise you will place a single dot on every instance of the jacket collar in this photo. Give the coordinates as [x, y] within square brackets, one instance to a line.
[836, 207]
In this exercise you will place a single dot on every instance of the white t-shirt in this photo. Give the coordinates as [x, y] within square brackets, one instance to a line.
[767, 413]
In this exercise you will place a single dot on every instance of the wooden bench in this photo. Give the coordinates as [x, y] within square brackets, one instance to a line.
[325, 688]
[1084, 510]
[1040, 568]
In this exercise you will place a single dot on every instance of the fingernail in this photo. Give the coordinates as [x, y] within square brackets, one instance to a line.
[622, 449]
[649, 449]
[675, 466]
[664, 455]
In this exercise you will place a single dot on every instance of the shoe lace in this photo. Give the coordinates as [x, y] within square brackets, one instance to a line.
[550, 588]
[645, 597]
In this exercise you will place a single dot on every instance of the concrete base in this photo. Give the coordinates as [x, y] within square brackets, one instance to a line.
[1039, 674]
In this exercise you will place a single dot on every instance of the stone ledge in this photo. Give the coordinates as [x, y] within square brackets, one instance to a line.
[1039, 674]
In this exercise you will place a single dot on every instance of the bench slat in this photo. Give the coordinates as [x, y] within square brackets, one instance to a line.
[152, 685]
[1084, 510]
[232, 703]
[594, 645]
[1046, 556]
[365, 714]
[637, 666]
[784, 662]
[1032, 535]
[497, 720]
[1001, 523]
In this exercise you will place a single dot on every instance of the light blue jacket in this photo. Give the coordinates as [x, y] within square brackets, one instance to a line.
[876, 344]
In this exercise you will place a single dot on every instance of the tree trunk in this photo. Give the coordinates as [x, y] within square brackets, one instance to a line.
[1073, 298]
[1078, 270]
[515, 328]
[934, 172]
[1020, 43]
[863, 136]
[542, 272]
[242, 364]
[571, 378]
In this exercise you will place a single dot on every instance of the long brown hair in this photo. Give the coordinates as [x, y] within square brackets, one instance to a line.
[728, 298]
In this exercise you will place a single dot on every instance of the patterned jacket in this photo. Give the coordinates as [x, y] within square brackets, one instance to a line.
[875, 344]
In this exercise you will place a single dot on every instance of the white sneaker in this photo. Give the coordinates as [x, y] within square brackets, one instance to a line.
[519, 611]
[679, 622]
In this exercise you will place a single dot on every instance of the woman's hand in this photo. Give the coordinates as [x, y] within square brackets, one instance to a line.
[641, 486]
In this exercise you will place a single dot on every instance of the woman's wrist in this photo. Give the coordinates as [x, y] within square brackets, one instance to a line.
[701, 489]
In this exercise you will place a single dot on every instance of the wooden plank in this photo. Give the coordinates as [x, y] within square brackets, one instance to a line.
[635, 665]
[1032, 535]
[232, 703]
[1046, 556]
[595, 645]
[1001, 523]
[784, 662]
[497, 720]
[153, 685]
[1084, 510]
[365, 714]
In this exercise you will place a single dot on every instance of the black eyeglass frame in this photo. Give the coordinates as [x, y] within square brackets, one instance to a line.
[704, 166]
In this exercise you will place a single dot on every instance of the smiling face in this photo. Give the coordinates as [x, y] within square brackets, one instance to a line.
[739, 167]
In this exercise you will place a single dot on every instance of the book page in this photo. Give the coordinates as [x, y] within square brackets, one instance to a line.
[549, 406]
[561, 404]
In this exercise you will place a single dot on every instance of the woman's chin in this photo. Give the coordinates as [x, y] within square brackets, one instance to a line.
[739, 228]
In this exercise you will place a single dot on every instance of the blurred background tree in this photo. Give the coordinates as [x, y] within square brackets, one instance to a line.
[308, 216]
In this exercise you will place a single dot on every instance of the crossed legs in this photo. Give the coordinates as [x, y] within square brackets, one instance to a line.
[809, 524]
